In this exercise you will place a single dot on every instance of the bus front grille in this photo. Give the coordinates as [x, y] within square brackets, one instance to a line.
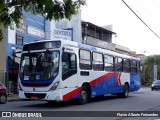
[35, 95]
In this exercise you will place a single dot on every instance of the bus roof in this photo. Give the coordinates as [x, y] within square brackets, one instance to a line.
[87, 47]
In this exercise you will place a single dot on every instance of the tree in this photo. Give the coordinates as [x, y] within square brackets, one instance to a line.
[11, 12]
[147, 72]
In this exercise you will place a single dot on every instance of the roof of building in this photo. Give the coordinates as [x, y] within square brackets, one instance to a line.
[91, 24]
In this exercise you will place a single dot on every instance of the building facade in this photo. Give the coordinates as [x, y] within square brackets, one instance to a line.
[31, 28]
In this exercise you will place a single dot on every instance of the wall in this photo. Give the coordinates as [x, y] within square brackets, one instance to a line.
[73, 24]
[35, 27]
[3, 56]
[31, 28]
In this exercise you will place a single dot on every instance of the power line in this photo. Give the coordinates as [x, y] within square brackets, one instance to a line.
[140, 19]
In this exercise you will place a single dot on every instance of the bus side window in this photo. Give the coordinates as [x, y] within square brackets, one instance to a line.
[138, 66]
[97, 61]
[69, 65]
[126, 65]
[119, 65]
[133, 66]
[85, 59]
[109, 63]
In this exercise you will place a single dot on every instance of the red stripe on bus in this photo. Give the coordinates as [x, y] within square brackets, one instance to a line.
[72, 94]
[118, 79]
[102, 78]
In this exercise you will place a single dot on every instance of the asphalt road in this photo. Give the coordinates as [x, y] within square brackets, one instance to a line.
[142, 100]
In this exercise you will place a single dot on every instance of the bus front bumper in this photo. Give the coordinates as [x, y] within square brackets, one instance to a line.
[55, 95]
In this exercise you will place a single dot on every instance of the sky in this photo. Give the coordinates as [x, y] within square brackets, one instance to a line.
[131, 32]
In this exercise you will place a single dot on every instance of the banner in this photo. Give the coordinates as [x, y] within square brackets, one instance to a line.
[62, 34]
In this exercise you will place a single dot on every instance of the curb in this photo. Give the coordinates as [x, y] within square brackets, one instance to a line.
[13, 97]
[10, 100]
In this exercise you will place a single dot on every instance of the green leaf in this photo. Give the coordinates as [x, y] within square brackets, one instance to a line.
[48, 8]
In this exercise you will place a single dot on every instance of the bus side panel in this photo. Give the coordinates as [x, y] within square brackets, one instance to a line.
[71, 93]
[107, 83]
[124, 78]
[135, 83]
[107, 86]
[93, 79]
[113, 84]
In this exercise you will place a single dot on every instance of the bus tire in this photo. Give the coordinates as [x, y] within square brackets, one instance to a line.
[84, 96]
[125, 93]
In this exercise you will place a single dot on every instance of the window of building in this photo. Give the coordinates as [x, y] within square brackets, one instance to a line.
[85, 59]
[108, 63]
[19, 40]
[98, 61]
[126, 65]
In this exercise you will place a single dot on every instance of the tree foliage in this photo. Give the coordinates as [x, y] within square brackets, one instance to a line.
[147, 72]
[11, 12]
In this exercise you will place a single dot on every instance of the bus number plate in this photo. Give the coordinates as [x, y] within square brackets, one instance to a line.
[34, 97]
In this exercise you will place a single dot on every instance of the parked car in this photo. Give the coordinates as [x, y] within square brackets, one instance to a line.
[3, 94]
[155, 85]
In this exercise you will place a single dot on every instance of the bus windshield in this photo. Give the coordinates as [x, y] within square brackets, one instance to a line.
[39, 65]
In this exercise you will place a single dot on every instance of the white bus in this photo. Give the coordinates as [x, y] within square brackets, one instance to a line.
[57, 70]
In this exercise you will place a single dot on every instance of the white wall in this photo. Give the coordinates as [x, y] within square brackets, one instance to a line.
[74, 23]
[12, 35]
[49, 29]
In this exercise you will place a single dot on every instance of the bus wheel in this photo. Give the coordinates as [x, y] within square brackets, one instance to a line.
[126, 91]
[84, 96]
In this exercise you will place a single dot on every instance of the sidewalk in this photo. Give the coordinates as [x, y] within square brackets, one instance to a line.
[13, 97]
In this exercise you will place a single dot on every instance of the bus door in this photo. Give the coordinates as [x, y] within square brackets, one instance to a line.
[69, 69]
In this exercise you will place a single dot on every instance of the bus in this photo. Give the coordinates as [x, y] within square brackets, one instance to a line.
[60, 70]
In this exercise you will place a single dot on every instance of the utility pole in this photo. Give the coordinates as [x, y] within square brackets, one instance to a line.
[155, 68]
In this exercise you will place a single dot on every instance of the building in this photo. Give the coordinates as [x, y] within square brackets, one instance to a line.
[93, 32]
[134, 54]
[31, 28]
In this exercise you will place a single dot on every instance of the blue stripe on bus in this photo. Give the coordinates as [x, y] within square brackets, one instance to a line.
[107, 86]
[88, 47]
[37, 82]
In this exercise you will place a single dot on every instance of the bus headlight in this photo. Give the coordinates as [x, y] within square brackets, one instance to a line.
[55, 85]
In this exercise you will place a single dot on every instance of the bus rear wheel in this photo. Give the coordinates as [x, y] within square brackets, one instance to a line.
[84, 96]
[125, 94]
